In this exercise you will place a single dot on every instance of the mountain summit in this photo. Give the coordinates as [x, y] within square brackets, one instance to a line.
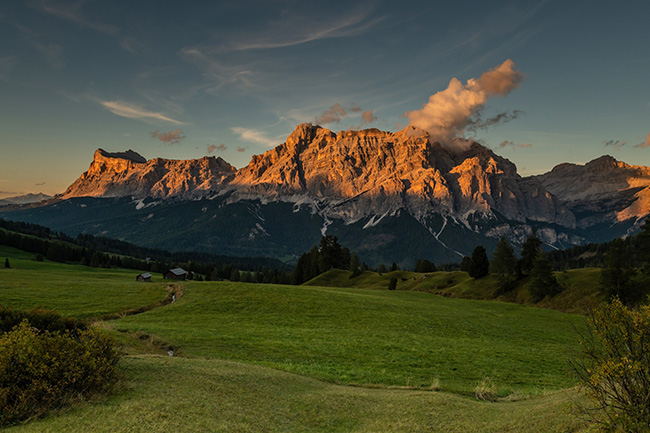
[352, 175]
[389, 196]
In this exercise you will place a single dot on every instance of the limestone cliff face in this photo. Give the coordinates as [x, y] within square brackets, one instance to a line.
[606, 190]
[129, 174]
[356, 174]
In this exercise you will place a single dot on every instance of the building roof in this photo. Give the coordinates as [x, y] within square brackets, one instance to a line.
[145, 275]
[178, 271]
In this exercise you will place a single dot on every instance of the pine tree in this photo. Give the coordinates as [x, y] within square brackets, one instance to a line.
[355, 264]
[542, 281]
[504, 265]
[616, 278]
[642, 244]
[479, 264]
[529, 252]
[7, 263]
[392, 285]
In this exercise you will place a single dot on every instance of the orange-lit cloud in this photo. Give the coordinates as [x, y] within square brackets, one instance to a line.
[334, 114]
[213, 147]
[366, 117]
[645, 144]
[171, 137]
[450, 111]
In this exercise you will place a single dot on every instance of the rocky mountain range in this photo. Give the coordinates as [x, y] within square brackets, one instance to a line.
[389, 196]
[24, 199]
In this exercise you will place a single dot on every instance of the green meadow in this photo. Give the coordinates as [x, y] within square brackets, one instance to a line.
[251, 357]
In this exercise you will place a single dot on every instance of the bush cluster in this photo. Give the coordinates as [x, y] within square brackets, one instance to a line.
[44, 368]
[614, 369]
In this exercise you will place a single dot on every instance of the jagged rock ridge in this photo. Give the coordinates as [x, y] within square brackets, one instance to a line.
[355, 174]
[127, 174]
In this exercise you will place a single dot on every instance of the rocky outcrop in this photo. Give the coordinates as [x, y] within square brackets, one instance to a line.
[602, 191]
[129, 174]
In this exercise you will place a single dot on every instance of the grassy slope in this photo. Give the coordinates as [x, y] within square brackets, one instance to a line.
[72, 290]
[343, 335]
[190, 395]
[579, 295]
[370, 337]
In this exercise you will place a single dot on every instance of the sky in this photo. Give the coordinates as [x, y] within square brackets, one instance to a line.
[540, 83]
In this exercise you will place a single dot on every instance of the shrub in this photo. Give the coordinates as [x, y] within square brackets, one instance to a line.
[614, 370]
[486, 390]
[42, 370]
[392, 284]
[43, 320]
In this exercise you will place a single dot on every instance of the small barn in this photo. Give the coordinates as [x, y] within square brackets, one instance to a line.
[175, 274]
[144, 277]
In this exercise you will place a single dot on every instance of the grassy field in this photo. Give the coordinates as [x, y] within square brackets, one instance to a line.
[285, 358]
[163, 394]
[370, 337]
[78, 291]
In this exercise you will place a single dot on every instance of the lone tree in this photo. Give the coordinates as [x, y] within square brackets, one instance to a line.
[478, 265]
[355, 266]
[7, 263]
[614, 367]
[392, 285]
[616, 278]
[504, 265]
[529, 252]
[542, 281]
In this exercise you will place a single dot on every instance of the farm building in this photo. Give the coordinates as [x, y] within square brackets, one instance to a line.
[175, 274]
[144, 277]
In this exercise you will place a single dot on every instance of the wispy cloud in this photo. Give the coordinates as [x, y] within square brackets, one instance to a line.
[508, 143]
[219, 70]
[241, 149]
[213, 148]
[50, 50]
[39, 184]
[254, 136]
[132, 111]
[296, 29]
[171, 137]
[644, 144]
[618, 144]
[72, 12]
[6, 65]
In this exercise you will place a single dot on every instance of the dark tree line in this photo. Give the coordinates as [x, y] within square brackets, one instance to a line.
[88, 250]
[508, 270]
[328, 255]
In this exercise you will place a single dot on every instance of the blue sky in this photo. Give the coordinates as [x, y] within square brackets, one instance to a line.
[186, 79]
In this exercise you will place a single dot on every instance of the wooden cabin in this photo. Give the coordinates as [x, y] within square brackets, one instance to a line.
[175, 274]
[144, 277]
